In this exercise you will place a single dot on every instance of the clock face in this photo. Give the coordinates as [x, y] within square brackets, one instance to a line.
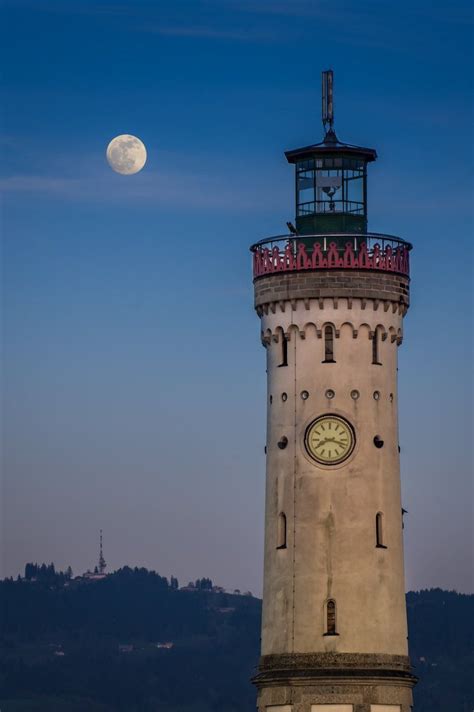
[329, 439]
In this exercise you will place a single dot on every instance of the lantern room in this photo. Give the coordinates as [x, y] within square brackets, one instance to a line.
[331, 179]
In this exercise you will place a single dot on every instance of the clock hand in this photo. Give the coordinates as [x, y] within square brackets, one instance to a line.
[326, 440]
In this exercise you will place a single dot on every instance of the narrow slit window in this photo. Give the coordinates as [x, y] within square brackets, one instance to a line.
[379, 530]
[284, 351]
[375, 348]
[331, 617]
[328, 344]
[281, 531]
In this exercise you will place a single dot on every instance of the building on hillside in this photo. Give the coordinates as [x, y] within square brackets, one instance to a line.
[91, 576]
[99, 571]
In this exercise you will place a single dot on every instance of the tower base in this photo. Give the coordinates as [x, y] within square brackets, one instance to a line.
[330, 682]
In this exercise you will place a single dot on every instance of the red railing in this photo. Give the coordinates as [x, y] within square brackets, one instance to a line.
[293, 253]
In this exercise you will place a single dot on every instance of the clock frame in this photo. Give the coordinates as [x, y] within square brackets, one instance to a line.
[329, 439]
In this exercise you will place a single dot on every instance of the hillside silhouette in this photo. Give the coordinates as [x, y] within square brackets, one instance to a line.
[135, 641]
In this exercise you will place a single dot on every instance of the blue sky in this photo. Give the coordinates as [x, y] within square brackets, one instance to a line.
[134, 380]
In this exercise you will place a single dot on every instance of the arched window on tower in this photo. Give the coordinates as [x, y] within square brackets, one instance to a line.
[284, 350]
[328, 344]
[281, 534]
[379, 531]
[331, 617]
[375, 348]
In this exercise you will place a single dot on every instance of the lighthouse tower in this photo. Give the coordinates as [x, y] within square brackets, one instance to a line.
[331, 297]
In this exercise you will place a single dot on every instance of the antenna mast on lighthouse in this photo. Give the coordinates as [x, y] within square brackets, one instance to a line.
[327, 112]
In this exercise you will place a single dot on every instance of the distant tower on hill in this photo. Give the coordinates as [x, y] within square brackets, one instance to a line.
[331, 297]
[102, 565]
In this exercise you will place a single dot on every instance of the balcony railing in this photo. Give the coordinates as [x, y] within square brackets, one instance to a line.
[294, 253]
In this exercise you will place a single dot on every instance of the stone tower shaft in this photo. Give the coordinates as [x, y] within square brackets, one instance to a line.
[342, 539]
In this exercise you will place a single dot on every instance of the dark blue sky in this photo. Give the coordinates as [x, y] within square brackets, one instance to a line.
[134, 380]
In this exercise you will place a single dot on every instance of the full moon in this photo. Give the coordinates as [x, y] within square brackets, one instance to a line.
[126, 154]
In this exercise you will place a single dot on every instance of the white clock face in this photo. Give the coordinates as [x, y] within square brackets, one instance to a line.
[329, 439]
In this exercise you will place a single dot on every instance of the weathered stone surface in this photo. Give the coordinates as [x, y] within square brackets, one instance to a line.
[292, 661]
[331, 551]
[332, 283]
[356, 658]
[306, 680]
[361, 697]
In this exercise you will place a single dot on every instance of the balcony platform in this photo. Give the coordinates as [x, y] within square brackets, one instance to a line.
[341, 251]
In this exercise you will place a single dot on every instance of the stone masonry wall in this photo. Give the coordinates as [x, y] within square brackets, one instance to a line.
[378, 285]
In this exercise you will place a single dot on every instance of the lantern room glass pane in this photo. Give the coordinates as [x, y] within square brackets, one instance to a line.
[330, 185]
[354, 191]
[329, 191]
[305, 186]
